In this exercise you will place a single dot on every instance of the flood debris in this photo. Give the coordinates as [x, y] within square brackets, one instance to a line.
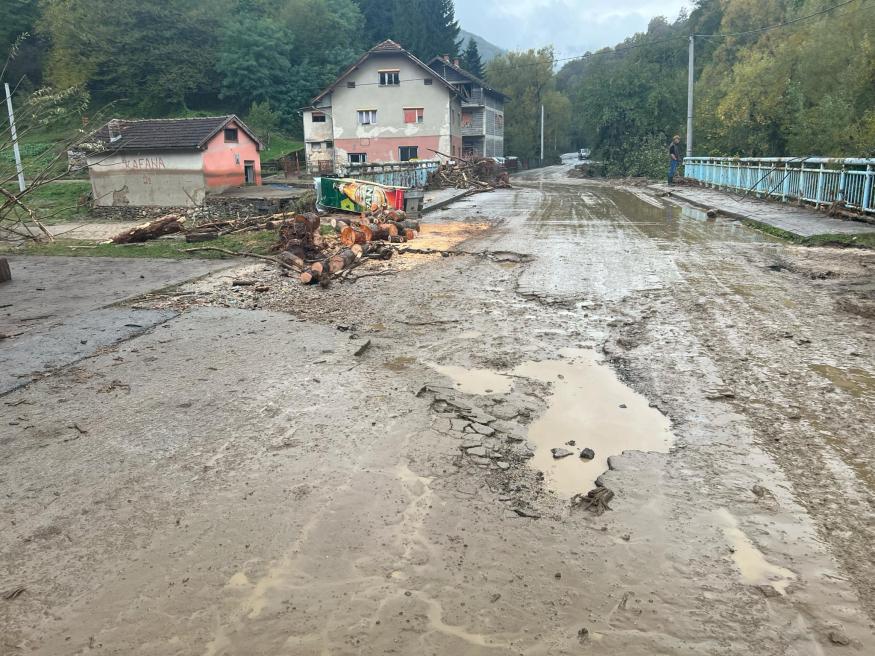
[559, 452]
[163, 225]
[596, 500]
[587, 454]
[481, 174]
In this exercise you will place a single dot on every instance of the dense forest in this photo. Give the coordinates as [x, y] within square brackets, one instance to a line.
[806, 87]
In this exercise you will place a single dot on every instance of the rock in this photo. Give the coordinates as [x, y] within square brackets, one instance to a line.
[570, 443]
[583, 635]
[479, 451]
[625, 537]
[711, 214]
[623, 406]
[838, 638]
[483, 429]
[471, 442]
[587, 454]
[557, 575]
[495, 597]
[759, 491]
[503, 465]
[481, 462]
[560, 453]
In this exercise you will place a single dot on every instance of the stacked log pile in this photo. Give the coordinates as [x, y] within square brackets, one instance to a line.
[361, 237]
[481, 174]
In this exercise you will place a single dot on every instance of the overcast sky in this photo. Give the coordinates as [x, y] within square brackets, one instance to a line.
[571, 26]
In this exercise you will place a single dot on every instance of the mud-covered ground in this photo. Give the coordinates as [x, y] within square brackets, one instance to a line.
[238, 481]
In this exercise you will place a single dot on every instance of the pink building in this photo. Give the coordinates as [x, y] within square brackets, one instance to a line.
[171, 162]
[387, 107]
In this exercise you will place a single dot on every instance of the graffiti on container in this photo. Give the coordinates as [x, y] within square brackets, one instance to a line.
[144, 163]
[368, 196]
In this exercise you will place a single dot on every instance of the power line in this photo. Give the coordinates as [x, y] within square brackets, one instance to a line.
[777, 25]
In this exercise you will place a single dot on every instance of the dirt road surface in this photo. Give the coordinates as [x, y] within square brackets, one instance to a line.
[236, 480]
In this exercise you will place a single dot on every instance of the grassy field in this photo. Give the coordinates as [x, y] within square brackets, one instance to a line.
[279, 145]
[59, 202]
[253, 242]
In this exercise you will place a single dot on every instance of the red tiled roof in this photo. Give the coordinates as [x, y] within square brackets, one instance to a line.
[165, 133]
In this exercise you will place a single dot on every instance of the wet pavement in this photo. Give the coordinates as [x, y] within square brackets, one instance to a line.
[246, 484]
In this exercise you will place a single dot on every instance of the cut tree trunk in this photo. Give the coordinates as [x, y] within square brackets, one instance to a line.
[341, 260]
[357, 235]
[164, 225]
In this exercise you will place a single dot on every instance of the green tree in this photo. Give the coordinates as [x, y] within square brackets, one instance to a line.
[379, 20]
[20, 17]
[471, 61]
[427, 28]
[152, 54]
[527, 77]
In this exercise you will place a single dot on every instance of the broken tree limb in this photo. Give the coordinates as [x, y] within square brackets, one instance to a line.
[242, 254]
[164, 225]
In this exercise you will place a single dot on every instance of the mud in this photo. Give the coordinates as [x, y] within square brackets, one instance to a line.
[247, 485]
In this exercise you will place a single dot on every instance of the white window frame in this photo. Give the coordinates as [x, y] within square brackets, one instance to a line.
[363, 158]
[390, 77]
[367, 116]
[419, 116]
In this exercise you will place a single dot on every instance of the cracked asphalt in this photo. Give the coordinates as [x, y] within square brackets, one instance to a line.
[234, 480]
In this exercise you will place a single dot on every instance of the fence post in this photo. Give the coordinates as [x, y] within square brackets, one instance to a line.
[786, 185]
[840, 195]
[819, 199]
[867, 188]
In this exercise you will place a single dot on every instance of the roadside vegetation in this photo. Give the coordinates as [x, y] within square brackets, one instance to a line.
[253, 242]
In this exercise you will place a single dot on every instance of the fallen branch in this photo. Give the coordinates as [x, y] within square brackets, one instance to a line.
[241, 254]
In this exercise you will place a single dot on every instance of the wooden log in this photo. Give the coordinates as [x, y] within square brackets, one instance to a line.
[379, 232]
[398, 239]
[390, 227]
[5, 271]
[358, 235]
[310, 277]
[293, 259]
[164, 225]
[341, 260]
[409, 234]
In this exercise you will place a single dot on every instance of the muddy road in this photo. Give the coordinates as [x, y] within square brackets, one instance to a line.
[237, 481]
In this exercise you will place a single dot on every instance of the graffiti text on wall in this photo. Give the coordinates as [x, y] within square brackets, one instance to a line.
[144, 163]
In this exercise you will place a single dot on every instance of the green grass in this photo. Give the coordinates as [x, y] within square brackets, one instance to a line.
[865, 240]
[253, 242]
[58, 202]
[279, 146]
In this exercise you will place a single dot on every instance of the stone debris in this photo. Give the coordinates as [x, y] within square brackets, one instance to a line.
[559, 452]
[587, 454]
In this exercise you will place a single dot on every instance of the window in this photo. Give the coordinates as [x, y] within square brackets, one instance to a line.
[316, 146]
[389, 78]
[350, 85]
[329, 144]
[413, 114]
[466, 119]
[407, 153]
[428, 81]
[318, 118]
[499, 121]
[367, 116]
[231, 135]
[358, 158]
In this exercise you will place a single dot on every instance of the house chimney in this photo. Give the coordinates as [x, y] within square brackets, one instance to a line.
[456, 62]
[114, 130]
[446, 58]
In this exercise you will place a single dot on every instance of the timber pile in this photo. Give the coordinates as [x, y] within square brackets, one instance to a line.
[481, 174]
[163, 225]
[361, 238]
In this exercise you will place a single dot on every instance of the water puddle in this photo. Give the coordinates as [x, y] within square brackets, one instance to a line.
[856, 382]
[754, 568]
[475, 381]
[592, 408]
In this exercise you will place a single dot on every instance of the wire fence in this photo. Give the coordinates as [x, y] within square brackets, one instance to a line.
[816, 180]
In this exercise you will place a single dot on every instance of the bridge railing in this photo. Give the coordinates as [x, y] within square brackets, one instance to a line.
[395, 174]
[817, 180]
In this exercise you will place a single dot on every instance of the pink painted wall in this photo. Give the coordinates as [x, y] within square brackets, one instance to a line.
[385, 149]
[223, 162]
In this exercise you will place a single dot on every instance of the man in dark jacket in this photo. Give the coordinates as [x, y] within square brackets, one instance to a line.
[674, 153]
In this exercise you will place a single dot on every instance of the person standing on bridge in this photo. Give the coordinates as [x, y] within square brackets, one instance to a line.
[674, 154]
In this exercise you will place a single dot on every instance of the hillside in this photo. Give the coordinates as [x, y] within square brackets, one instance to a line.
[488, 51]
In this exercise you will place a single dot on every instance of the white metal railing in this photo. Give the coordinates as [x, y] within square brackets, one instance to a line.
[818, 180]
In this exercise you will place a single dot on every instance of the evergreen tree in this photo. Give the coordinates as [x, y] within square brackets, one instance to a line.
[471, 61]
[427, 28]
[379, 20]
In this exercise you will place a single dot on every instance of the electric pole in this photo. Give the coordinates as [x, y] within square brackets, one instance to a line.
[690, 96]
[18, 167]
[542, 135]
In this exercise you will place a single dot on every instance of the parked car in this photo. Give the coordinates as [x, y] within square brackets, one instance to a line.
[499, 160]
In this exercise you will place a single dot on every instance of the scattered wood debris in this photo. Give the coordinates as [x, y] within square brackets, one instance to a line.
[163, 225]
[595, 500]
[482, 174]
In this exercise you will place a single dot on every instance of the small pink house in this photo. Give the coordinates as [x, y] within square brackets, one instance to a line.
[171, 162]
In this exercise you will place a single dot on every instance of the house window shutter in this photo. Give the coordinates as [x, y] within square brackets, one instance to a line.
[410, 116]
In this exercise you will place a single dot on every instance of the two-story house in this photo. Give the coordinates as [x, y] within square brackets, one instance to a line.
[387, 107]
[482, 109]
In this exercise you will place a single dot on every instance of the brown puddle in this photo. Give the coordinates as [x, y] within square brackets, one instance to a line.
[751, 563]
[856, 382]
[586, 407]
[474, 381]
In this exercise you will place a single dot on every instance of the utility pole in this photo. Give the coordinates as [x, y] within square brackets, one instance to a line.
[690, 96]
[18, 167]
[542, 135]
